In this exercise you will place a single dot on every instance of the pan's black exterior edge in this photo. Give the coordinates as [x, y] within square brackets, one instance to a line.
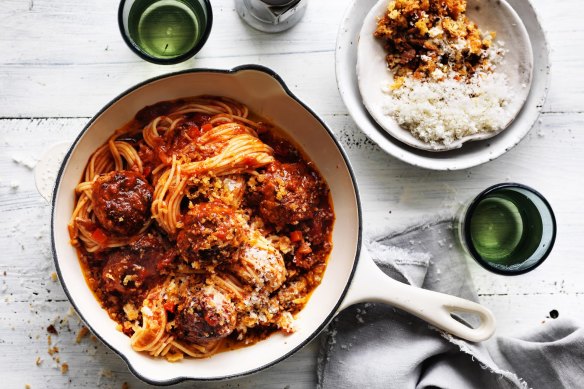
[331, 315]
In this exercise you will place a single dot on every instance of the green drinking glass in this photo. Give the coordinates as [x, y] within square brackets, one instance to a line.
[508, 228]
[165, 31]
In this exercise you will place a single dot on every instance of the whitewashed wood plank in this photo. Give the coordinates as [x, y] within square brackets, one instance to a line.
[88, 33]
[84, 33]
[386, 185]
[67, 54]
[549, 159]
[533, 313]
[81, 90]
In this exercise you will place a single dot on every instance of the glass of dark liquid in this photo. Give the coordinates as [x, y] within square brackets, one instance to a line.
[165, 31]
[508, 228]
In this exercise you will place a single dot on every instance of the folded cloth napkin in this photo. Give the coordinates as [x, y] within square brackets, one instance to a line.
[377, 346]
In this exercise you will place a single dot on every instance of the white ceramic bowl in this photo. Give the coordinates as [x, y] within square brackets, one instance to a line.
[264, 93]
[472, 153]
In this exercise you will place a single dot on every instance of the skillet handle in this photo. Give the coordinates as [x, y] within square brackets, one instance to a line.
[370, 284]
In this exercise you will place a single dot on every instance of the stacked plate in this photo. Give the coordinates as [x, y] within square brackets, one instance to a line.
[361, 71]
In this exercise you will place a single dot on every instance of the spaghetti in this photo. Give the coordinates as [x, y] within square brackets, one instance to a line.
[201, 228]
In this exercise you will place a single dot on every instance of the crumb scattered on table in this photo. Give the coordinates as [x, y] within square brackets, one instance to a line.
[52, 330]
[83, 331]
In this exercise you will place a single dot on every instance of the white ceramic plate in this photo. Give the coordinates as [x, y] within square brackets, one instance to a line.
[473, 153]
[373, 74]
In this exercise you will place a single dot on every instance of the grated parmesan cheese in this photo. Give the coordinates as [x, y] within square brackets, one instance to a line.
[441, 112]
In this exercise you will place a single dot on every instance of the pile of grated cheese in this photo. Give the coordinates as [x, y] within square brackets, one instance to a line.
[441, 112]
[444, 107]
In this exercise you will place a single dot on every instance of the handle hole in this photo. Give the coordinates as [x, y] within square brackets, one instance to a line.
[469, 319]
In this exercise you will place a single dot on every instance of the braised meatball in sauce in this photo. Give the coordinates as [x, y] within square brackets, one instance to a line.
[121, 201]
[129, 268]
[286, 193]
[205, 314]
[211, 234]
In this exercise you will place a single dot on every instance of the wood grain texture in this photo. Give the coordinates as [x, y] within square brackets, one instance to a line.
[61, 61]
[54, 52]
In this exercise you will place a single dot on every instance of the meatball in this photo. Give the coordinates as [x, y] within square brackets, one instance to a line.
[122, 273]
[205, 314]
[286, 193]
[211, 234]
[260, 264]
[130, 267]
[121, 201]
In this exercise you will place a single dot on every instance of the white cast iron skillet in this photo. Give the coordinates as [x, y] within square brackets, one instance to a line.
[351, 276]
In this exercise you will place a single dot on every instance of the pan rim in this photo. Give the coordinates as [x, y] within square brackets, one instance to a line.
[307, 339]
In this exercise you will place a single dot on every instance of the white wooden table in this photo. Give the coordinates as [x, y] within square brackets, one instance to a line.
[61, 61]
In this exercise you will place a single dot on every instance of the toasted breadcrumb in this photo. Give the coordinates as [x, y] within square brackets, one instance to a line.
[83, 331]
[422, 36]
[52, 330]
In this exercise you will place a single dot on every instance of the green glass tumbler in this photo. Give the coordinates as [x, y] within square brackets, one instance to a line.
[508, 228]
[165, 31]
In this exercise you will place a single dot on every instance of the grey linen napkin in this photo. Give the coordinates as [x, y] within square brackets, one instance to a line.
[377, 346]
